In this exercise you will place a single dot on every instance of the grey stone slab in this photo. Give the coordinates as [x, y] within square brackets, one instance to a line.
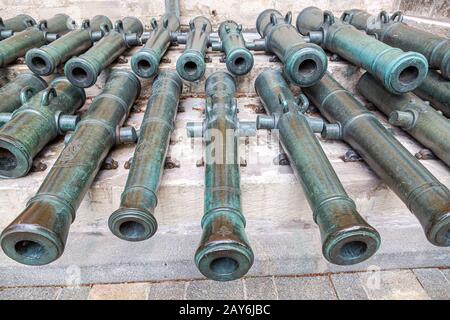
[435, 283]
[348, 286]
[260, 288]
[171, 290]
[380, 285]
[446, 273]
[74, 293]
[30, 293]
[213, 290]
[290, 250]
[305, 288]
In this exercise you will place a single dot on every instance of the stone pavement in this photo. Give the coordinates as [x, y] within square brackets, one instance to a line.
[423, 284]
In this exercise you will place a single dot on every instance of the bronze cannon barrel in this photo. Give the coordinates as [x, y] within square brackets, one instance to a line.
[394, 32]
[18, 91]
[46, 31]
[304, 63]
[191, 64]
[346, 237]
[424, 195]
[82, 71]
[412, 114]
[436, 90]
[224, 252]
[42, 118]
[146, 61]
[39, 234]
[44, 60]
[398, 71]
[134, 220]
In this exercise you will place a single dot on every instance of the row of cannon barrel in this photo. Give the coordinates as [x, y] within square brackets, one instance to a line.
[393, 52]
[33, 113]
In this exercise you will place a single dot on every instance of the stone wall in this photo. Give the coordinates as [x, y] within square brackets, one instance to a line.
[244, 12]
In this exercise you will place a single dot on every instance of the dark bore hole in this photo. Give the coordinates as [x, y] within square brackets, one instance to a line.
[190, 68]
[408, 75]
[353, 250]
[29, 249]
[79, 74]
[8, 161]
[447, 236]
[132, 229]
[307, 67]
[224, 265]
[239, 62]
[38, 63]
[144, 65]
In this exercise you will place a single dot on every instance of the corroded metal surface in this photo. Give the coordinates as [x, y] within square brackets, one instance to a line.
[346, 237]
[16, 92]
[392, 31]
[44, 61]
[38, 235]
[83, 70]
[224, 252]
[134, 220]
[47, 30]
[146, 61]
[412, 114]
[238, 59]
[191, 64]
[424, 195]
[15, 24]
[436, 89]
[304, 63]
[38, 121]
[399, 71]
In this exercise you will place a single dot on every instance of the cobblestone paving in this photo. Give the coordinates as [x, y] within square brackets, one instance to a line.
[426, 283]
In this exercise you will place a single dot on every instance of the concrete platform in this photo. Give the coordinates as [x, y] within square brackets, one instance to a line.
[397, 284]
[280, 226]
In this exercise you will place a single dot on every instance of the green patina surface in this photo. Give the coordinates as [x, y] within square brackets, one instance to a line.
[38, 235]
[17, 45]
[426, 125]
[424, 195]
[224, 252]
[134, 221]
[45, 60]
[346, 237]
[304, 63]
[191, 64]
[146, 61]
[83, 70]
[399, 71]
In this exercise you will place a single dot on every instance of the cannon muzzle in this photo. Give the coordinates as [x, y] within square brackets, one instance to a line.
[191, 64]
[18, 91]
[394, 32]
[399, 71]
[39, 234]
[146, 61]
[224, 252]
[346, 237]
[46, 31]
[424, 195]
[436, 90]
[304, 63]
[134, 220]
[82, 71]
[39, 120]
[238, 59]
[44, 61]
